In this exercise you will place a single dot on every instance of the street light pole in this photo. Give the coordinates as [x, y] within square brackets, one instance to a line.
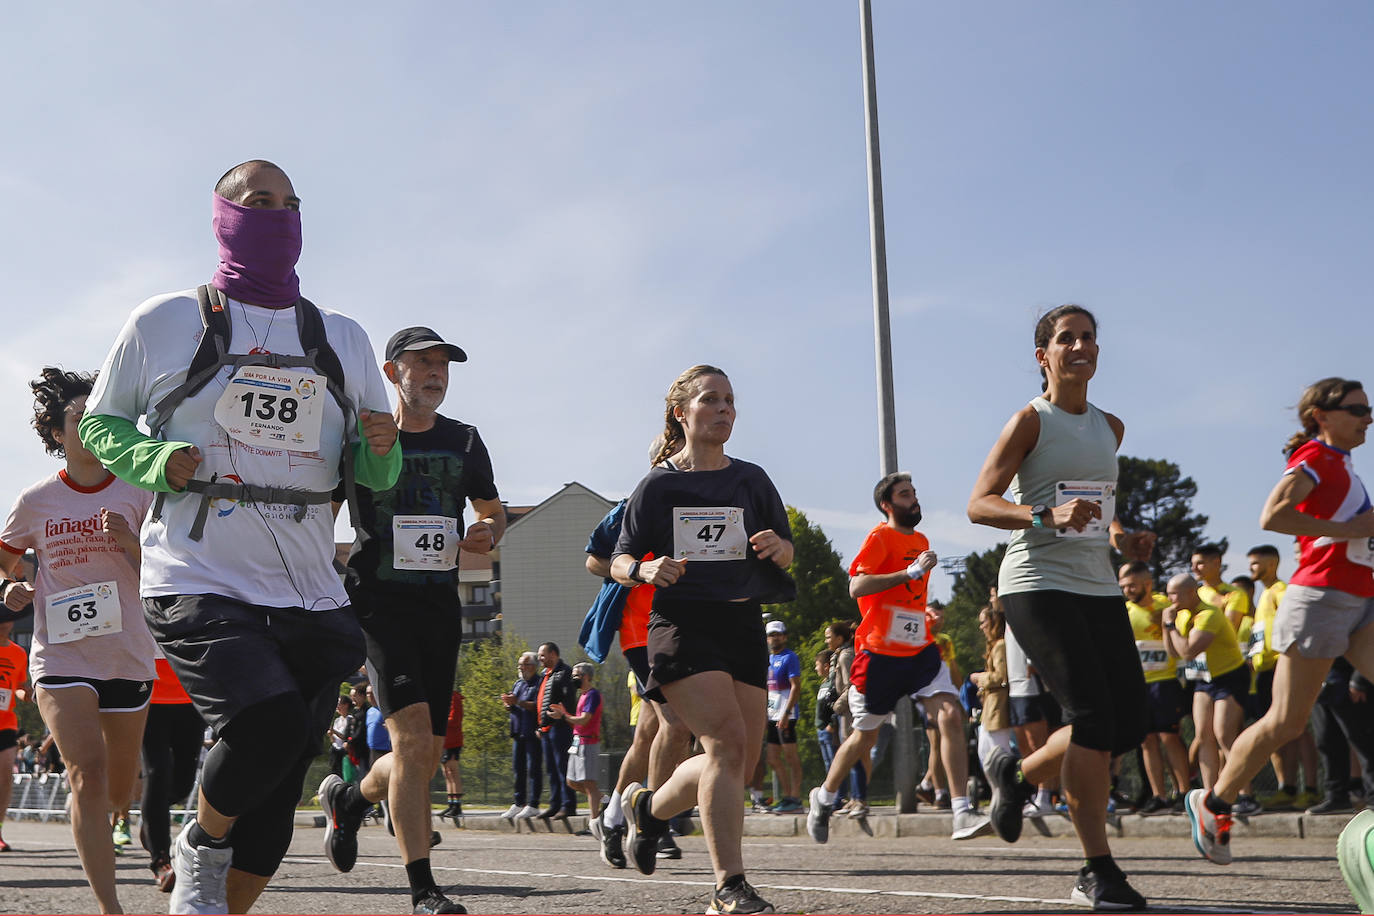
[904, 743]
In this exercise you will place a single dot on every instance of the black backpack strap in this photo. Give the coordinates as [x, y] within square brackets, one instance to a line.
[315, 343]
[211, 353]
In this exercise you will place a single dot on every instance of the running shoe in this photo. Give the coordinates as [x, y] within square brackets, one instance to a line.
[434, 901]
[1034, 810]
[613, 846]
[1246, 806]
[163, 875]
[1306, 799]
[121, 835]
[738, 898]
[526, 813]
[340, 828]
[512, 812]
[1008, 795]
[4, 847]
[788, 806]
[386, 816]
[1155, 806]
[1121, 802]
[970, 824]
[1353, 853]
[1333, 804]
[1211, 832]
[818, 818]
[942, 803]
[858, 809]
[201, 872]
[1105, 890]
[1279, 800]
[435, 838]
[643, 837]
[668, 847]
[925, 794]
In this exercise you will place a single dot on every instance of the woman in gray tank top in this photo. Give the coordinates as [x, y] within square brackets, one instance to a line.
[1057, 455]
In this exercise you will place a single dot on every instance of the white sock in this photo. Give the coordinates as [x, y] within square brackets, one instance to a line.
[941, 793]
[615, 815]
[826, 798]
[960, 803]
[1042, 798]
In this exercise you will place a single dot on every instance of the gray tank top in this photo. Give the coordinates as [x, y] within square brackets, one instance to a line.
[1071, 447]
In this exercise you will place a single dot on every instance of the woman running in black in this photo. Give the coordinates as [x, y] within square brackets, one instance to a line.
[720, 537]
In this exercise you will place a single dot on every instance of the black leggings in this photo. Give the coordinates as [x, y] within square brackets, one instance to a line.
[1083, 648]
[245, 776]
[172, 739]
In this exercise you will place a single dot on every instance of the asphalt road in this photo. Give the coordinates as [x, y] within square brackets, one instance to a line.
[496, 872]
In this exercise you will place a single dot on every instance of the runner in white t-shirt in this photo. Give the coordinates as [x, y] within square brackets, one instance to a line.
[92, 657]
[238, 552]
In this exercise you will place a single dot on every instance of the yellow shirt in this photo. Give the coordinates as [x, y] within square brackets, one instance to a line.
[1223, 652]
[1261, 646]
[1226, 596]
[1155, 658]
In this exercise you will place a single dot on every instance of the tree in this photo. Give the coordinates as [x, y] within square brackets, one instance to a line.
[486, 669]
[1152, 495]
[822, 583]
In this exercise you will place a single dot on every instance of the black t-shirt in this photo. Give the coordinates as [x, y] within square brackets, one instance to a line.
[709, 516]
[441, 469]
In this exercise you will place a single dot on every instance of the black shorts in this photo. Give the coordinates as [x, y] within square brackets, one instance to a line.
[412, 652]
[8, 738]
[1039, 708]
[1085, 653]
[1168, 705]
[113, 695]
[230, 655]
[452, 753]
[785, 735]
[1262, 697]
[638, 658]
[1234, 683]
[687, 638]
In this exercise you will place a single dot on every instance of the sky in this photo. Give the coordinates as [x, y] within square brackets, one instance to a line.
[589, 198]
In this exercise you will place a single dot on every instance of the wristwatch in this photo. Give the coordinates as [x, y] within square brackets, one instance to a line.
[1038, 513]
[634, 572]
[1170, 625]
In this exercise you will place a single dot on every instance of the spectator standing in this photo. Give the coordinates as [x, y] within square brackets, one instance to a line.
[14, 675]
[556, 686]
[453, 752]
[586, 771]
[784, 695]
[338, 736]
[1343, 721]
[527, 751]
[378, 739]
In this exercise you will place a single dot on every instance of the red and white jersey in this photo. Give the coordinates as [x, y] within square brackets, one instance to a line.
[60, 521]
[1339, 495]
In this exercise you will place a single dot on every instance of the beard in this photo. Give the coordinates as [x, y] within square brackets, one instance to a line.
[907, 518]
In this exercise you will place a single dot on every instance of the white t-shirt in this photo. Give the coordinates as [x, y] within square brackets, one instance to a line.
[60, 521]
[340, 728]
[258, 554]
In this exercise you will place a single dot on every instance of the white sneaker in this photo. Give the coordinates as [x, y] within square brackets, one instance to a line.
[970, 824]
[512, 812]
[1034, 810]
[201, 874]
[526, 813]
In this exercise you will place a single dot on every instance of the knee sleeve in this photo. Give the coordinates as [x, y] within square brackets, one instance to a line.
[263, 834]
[244, 766]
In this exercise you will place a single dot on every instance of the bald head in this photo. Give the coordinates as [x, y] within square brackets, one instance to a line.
[234, 183]
[1182, 591]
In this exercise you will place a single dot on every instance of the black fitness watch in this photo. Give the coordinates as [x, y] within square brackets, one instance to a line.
[633, 574]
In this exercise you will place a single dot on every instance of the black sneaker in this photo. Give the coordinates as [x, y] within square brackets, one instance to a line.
[435, 838]
[738, 898]
[643, 837]
[1155, 806]
[668, 847]
[1008, 795]
[340, 828]
[1332, 804]
[1105, 891]
[612, 846]
[434, 901]
[1123, 803]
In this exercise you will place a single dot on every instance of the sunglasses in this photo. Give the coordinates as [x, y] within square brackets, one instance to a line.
[1355, 410]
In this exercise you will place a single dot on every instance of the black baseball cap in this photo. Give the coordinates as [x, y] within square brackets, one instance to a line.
[421, 339]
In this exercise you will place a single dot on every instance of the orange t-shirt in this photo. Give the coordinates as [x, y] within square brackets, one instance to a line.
[895, 620]
[14, 670]
[634, 617]
[167, 690]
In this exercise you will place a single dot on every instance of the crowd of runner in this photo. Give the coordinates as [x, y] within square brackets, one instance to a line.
[176, 555]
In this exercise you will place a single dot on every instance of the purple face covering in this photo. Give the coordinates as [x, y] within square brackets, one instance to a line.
[258, 250]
